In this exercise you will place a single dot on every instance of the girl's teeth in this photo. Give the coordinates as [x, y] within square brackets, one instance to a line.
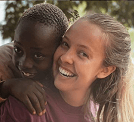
[65, 73]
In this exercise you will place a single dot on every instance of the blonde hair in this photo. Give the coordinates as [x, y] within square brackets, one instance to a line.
[114, 93]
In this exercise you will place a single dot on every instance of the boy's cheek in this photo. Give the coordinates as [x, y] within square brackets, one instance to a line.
[14, 60]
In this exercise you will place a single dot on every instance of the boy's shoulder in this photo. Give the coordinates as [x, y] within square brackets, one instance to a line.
[6, 52]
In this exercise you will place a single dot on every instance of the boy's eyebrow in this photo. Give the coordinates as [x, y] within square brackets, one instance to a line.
[34, 48]
[37, 48]
[17, 42]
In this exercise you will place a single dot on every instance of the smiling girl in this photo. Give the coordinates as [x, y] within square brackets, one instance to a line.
[91, 64]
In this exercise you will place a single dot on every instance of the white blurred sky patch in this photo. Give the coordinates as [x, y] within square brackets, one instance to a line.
[2, 16]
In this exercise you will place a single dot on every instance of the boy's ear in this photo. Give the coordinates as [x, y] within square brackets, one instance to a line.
[106, 71]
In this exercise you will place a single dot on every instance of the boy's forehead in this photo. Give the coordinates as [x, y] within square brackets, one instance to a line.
[37, 33]
[35, 25]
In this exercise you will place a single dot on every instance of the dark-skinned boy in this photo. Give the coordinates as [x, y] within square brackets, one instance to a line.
[27, 61]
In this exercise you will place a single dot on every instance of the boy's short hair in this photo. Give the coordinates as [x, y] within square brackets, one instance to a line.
[49, 15]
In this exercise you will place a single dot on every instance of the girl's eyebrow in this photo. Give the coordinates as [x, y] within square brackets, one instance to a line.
[86, 47]
[83, 46]
[65, 37]
[79, 45]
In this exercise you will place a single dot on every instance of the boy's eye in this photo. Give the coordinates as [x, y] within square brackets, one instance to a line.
[17, 50]
[39, 56]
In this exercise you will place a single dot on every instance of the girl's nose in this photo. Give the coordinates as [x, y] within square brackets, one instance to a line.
[67, 57]
[26, 62]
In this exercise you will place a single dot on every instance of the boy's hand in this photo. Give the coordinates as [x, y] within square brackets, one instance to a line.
[30, 92]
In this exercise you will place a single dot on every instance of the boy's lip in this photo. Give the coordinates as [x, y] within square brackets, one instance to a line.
[27, 74]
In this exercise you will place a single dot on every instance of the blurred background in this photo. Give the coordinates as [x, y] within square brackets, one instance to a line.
[121, 10]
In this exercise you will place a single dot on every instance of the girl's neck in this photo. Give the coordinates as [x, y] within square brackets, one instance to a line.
[75, 98]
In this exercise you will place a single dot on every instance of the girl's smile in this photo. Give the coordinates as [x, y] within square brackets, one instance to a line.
[65, 72]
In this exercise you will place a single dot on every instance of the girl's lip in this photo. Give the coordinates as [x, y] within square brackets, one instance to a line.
[68, 70]
[65, 72]
[62, 65]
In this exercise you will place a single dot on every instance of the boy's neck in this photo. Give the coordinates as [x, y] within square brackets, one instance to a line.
[47, 82]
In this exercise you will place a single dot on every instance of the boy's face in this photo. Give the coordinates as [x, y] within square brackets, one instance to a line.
[34, 46]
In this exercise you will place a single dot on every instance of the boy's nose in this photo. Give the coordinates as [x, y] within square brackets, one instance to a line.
[67, 57]
[26, 62]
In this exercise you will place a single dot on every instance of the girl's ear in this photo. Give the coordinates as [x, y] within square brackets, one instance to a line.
[106, 71]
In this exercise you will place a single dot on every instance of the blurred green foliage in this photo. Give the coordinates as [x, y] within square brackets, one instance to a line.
[123, 11]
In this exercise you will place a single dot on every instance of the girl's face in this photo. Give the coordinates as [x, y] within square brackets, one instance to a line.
[34, 46]
[78, 61]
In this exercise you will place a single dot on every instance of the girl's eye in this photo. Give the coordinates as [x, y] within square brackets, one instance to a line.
[39, 56]
[83, 54]
[17, 50]
[64, 44]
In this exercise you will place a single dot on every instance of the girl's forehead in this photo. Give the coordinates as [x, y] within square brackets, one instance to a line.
[86, 34]
[85, 29]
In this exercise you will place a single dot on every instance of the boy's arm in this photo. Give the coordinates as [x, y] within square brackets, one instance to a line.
[29, 92]
[6, 65]
[14, 111]
[6, 52]
[5, 57]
